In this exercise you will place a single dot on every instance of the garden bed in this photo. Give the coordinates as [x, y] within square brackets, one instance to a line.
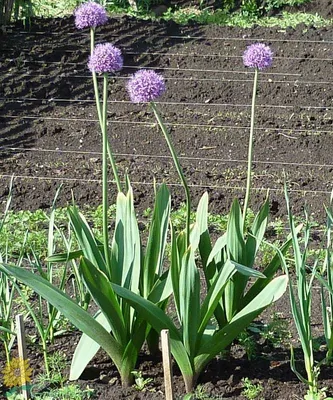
[49, 130]
[49, 136]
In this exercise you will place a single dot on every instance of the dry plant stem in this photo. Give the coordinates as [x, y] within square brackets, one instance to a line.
[250, 151]
[178, 168]
[99, 110]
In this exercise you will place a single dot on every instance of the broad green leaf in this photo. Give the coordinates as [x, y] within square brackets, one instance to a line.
[220, 244]
[162, 289]
[153, 264]
[126, 251]
[200, 225]
[86, 239]
[205, 245]
[189, 293]
[246, 271]
[214, 294]
[64, 257]
[134, 345]
[101, 291]
[126, 245]
[269, 271]
[78, 317]
[237, 251]
[175, 270]
[235, 236]
[260, 224]
[158, 320]
[251, 249]
[181, 243]
[212, 346]
[86, 349]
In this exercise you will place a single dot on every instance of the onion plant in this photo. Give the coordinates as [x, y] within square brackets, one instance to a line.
[128, 282]
[7, 328]
[242, 243]
[115, 327]
[301, 300]
[47, 318]
[195, 338]
[228, 260]
[7, 291]
[325, 276]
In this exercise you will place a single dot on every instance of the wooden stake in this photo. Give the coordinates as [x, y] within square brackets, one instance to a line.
[167, 365]
[22, 349]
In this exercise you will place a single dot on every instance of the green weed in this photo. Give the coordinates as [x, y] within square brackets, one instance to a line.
[251, 391]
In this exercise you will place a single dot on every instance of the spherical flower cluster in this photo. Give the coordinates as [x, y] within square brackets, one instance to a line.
[90, 15]
[105, 58]
[258, 55]
[145, 86]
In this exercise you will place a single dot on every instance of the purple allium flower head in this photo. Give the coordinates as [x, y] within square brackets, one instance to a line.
[105, 58]
[90, 15]
[258, 55]
[145, 86]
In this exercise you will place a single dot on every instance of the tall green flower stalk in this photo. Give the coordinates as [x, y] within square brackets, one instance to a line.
[91, 15]
[250, 146]
[106, 58]
[146, 86]
[259, 57]
[178, 168]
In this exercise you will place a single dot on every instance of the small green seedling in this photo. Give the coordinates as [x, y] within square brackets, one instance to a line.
[251, 391]
[140, 382]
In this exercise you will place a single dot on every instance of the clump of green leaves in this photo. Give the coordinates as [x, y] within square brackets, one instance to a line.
[140, 382]
[277, 331]
[251, 391]
[248, 342]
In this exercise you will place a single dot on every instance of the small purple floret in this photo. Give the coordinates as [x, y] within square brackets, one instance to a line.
[145, 86]
[105, 58]
[90, 15]
[258, 55]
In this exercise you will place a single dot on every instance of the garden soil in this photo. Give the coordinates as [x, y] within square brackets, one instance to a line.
[49, 136]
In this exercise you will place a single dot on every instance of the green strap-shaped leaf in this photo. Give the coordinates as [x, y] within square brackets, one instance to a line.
[86, 240]
[189, 293]
[175, 270]
[205, 245]
[154, 257]
[64, 257]
[235, 236]
[101, 290]
[86, 349]
[214, 294]
[214, 345]
[246, 271]
[269, 272]
[126, 251]
[260, 224]
[219, 245]
[158, 320]
[250, 248]
[133, 347]
[78, 317]
[126, 245]
[162, 288]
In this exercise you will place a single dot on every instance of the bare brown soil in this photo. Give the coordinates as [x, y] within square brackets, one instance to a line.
[49, 135]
